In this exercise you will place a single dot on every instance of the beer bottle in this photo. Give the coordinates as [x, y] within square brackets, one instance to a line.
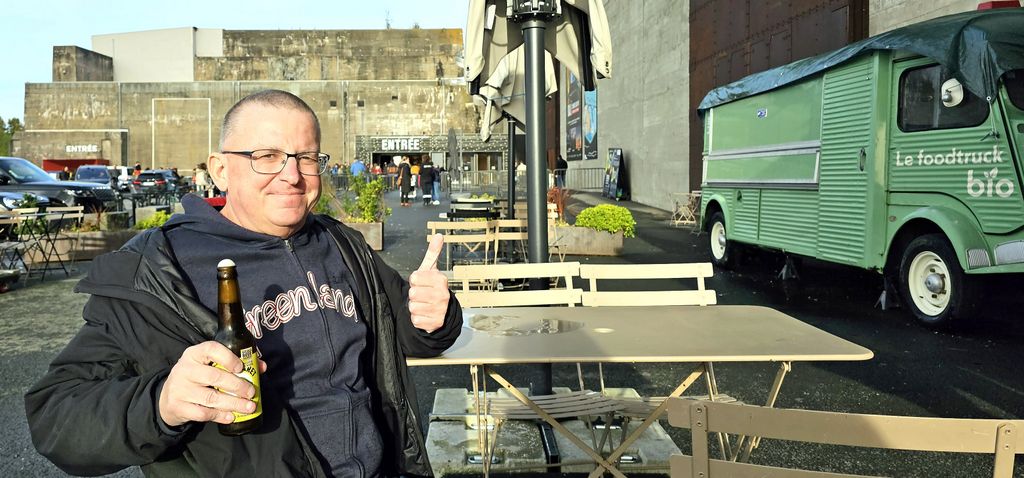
[233, 335]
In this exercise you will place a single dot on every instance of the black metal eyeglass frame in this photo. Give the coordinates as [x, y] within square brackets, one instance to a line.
[321, 158]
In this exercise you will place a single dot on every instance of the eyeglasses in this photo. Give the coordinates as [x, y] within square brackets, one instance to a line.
[272, 161]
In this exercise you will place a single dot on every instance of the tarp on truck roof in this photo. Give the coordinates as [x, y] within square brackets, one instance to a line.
[977, 47]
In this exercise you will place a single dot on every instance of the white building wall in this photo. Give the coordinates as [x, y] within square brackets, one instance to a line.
[209, 42]
[154, 56]
[643, 107]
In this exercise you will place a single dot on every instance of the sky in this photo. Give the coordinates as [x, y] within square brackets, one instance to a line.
[30, 29]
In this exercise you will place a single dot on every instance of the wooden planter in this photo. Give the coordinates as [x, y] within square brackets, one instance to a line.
[584, 241]
[373, 232]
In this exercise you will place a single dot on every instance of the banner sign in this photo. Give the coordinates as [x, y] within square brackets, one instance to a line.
[573, 119]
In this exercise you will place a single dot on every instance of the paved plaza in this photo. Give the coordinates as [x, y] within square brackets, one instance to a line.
[915, 371]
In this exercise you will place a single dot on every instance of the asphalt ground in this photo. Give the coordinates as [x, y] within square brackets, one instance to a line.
[916, 371]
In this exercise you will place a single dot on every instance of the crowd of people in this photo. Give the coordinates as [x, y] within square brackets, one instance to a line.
[414, 177]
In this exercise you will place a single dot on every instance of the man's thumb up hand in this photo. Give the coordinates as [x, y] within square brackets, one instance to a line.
[433, 253]
[428, 290]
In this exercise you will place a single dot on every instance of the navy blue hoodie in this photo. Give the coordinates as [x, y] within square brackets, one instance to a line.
[298, 302]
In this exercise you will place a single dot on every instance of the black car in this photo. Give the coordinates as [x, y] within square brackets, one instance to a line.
[95, 173]
[158, 181]
[18, 175]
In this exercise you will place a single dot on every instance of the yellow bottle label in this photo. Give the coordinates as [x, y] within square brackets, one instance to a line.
[249, 373]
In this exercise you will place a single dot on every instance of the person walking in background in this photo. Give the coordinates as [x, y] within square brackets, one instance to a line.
[357, 168]
[137, 171]
[392, 175]
[560, 167]
[202, 180]
[427, 173]
[437, 185]
[405, 180]
[414, 169]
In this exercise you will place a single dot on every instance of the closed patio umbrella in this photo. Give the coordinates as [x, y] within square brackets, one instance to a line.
[495, 57]
[508, 54]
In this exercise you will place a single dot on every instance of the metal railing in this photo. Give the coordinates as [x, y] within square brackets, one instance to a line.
[585, 179]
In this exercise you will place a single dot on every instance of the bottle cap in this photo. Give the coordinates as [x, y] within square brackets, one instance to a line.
[226, 263]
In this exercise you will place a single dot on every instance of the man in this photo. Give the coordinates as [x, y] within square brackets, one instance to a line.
[357, 168]
[427, 173]
[333, 324]
[561, 166]
[405, 181]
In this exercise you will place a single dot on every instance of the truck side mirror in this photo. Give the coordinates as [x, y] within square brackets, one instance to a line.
[952, 93]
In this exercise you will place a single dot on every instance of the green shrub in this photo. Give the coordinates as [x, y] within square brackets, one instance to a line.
[323, 205]
[156, 220]
[608, 218]
[365, 201]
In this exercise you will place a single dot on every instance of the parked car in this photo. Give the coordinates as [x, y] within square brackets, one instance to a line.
[158, 181]
[123, 175]
[95, 173]
[11, 200]
[18, 175]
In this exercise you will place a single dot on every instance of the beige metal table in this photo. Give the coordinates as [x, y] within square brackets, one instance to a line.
[690, 334]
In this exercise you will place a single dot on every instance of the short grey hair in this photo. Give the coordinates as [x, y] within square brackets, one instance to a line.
[275, 98]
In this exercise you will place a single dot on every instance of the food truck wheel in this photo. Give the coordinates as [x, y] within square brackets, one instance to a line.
[723, 251]
[931, 280]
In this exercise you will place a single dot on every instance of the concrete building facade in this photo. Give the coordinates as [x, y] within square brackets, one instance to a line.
[157, 98]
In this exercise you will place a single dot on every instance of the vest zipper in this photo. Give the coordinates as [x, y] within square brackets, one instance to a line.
[323, 315]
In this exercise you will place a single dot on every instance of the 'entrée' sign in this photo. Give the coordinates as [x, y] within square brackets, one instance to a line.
[400, 144]
[82, 148]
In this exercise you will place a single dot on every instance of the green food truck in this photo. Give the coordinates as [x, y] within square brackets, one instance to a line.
[901, 153]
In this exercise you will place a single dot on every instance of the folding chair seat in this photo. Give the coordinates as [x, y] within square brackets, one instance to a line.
[511, 232]
[685, 208]
[471, 235]
[633, 272]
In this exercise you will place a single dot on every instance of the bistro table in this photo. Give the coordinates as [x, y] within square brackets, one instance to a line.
[43, 229]
[663, 334]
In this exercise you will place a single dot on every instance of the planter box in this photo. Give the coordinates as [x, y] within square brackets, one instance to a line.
[108, 220]
[90, 245]
[583, 241]
[373, 232]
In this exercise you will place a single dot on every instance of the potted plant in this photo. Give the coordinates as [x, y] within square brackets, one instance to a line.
[599, 230]
[363, 208]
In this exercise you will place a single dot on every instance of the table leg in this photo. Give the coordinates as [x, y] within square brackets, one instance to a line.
[694, 375]
[712, 383]
[602, 463]
[481, 442]
[745, 445]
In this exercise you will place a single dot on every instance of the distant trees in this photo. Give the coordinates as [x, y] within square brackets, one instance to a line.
[7, 130]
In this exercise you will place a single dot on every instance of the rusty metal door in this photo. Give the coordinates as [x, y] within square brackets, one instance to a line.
[730, 39]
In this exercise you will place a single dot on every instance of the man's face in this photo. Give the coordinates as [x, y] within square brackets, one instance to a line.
[274, 204]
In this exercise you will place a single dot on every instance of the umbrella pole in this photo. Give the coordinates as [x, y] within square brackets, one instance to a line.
[536, 167]
[511, 214]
